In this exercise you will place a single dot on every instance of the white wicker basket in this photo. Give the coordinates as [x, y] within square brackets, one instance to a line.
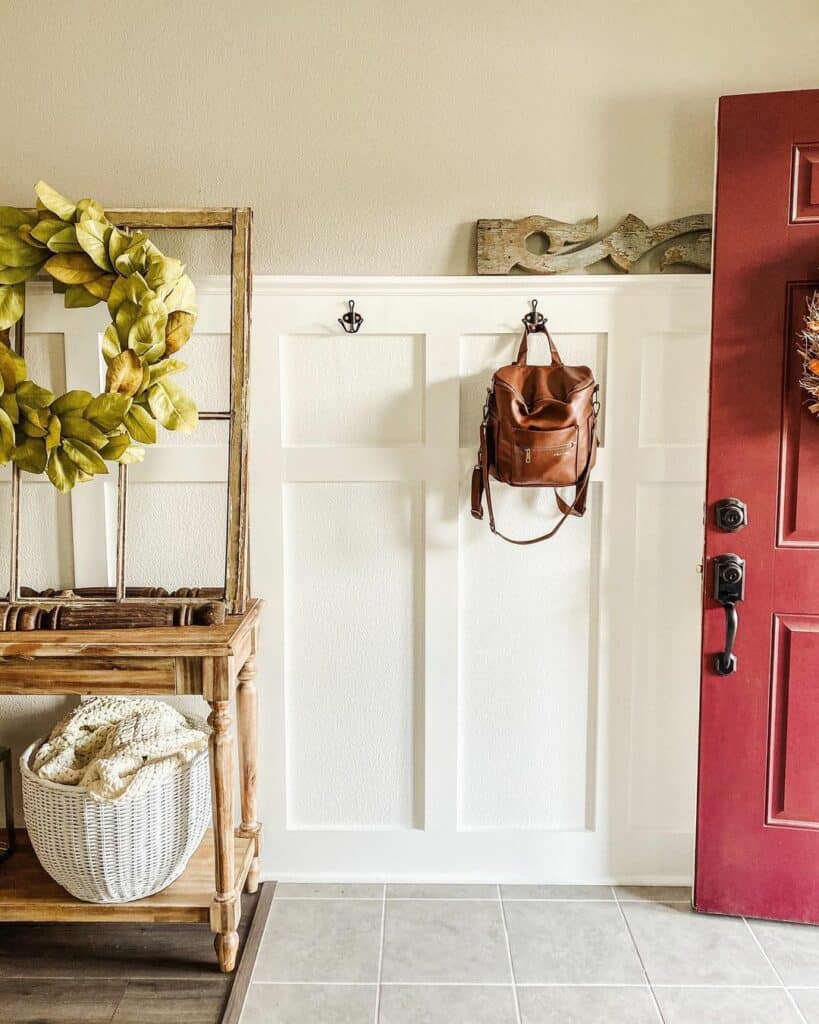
[114, 853]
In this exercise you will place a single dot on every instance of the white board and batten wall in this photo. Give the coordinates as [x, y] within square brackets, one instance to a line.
[435, 703]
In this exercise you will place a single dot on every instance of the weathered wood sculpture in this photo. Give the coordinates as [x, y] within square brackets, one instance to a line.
[502, 244]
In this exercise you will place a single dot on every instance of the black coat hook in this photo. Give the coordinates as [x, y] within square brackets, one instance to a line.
[351, 321]
[534, 321]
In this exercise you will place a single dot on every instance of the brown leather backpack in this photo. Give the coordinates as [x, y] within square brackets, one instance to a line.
[539, 430]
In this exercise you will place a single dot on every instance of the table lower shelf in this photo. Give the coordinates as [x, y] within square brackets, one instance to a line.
[27, 893]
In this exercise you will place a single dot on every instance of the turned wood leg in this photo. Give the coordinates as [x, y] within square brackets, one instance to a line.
[246, 709]
[225, 909]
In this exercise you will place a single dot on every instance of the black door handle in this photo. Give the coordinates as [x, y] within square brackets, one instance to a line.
[729, 590]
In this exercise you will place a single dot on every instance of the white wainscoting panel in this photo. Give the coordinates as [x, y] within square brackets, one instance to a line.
[434, 703]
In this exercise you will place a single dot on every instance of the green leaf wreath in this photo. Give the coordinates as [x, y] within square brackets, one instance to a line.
[152, 303]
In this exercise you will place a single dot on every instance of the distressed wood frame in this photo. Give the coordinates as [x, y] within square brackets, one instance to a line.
[238, 221]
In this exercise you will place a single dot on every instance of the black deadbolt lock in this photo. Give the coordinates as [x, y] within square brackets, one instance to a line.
[731, 514]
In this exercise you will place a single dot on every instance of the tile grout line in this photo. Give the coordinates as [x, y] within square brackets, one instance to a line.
[509, 956]
[653, 994]
[778, 976]
[380, 955]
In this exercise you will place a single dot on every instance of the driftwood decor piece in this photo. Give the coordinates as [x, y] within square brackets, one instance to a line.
[502, 244]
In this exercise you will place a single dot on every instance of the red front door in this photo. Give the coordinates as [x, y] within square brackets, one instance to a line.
[758, 804]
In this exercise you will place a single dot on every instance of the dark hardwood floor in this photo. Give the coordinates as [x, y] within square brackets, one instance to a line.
[118, 973]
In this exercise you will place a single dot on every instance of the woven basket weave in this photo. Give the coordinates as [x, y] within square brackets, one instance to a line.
[114, 853]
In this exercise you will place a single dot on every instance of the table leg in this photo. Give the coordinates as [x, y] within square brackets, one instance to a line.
[246, 709]
[225, 909]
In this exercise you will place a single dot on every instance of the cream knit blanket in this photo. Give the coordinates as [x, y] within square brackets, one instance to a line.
[117, 747]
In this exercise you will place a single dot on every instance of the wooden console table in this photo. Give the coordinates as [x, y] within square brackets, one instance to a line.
[216, 662]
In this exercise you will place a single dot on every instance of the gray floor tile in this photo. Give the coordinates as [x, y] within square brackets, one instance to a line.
[653, 893]
[557, 892]
[309, 1004]
[330, 890]
[321, 940]
[447, 1004]
[571, 943]
[681, 947]
[793, 949]
[807, 999]
[726, 1006]
[444, 941]
[580, 1005]
[444, 891]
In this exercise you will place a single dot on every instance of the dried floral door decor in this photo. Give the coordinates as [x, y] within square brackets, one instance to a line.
[152, 303]
[810, 354]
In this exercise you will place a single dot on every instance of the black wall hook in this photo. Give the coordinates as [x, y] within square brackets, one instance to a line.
[351, 321]
[534, 321]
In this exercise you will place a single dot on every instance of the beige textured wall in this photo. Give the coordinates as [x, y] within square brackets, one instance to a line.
[369, 135]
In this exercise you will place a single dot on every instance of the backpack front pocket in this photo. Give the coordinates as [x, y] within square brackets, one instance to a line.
[544, 457]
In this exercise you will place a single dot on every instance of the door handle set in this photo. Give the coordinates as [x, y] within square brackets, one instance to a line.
[731, 516]
[729, 590]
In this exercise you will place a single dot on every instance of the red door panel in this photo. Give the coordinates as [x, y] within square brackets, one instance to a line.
[757, 847]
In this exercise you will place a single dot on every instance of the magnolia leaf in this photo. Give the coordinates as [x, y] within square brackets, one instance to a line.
[110, 343]
[12, 368]
[6, 437]
[14, 252]
[93, 238]
[84, 455]
[127, 289]
[90, 209]
[71, 401]
[146, 378]
[72, 268]
[36, 417]
[77, 296]
[8, 403]
[124, 373]
[124, 320]
[172, 406]
[62, 471]
[118, 243]
[32, 396]
[52, 200]
[30, 429]
[54, 433]
[74, 425]
[107, 411]
[65, 240]
[133, 453]
[101, 288]
[181, 296]
[24, 234]
[140, 425]
[30, 455]
[16, 275]
[12, 304]
[165, 368]
[179, 330]
[135, 258]
[43, 230]
[13, 218]
[115, 447]
[163, 271]
[147, 335]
